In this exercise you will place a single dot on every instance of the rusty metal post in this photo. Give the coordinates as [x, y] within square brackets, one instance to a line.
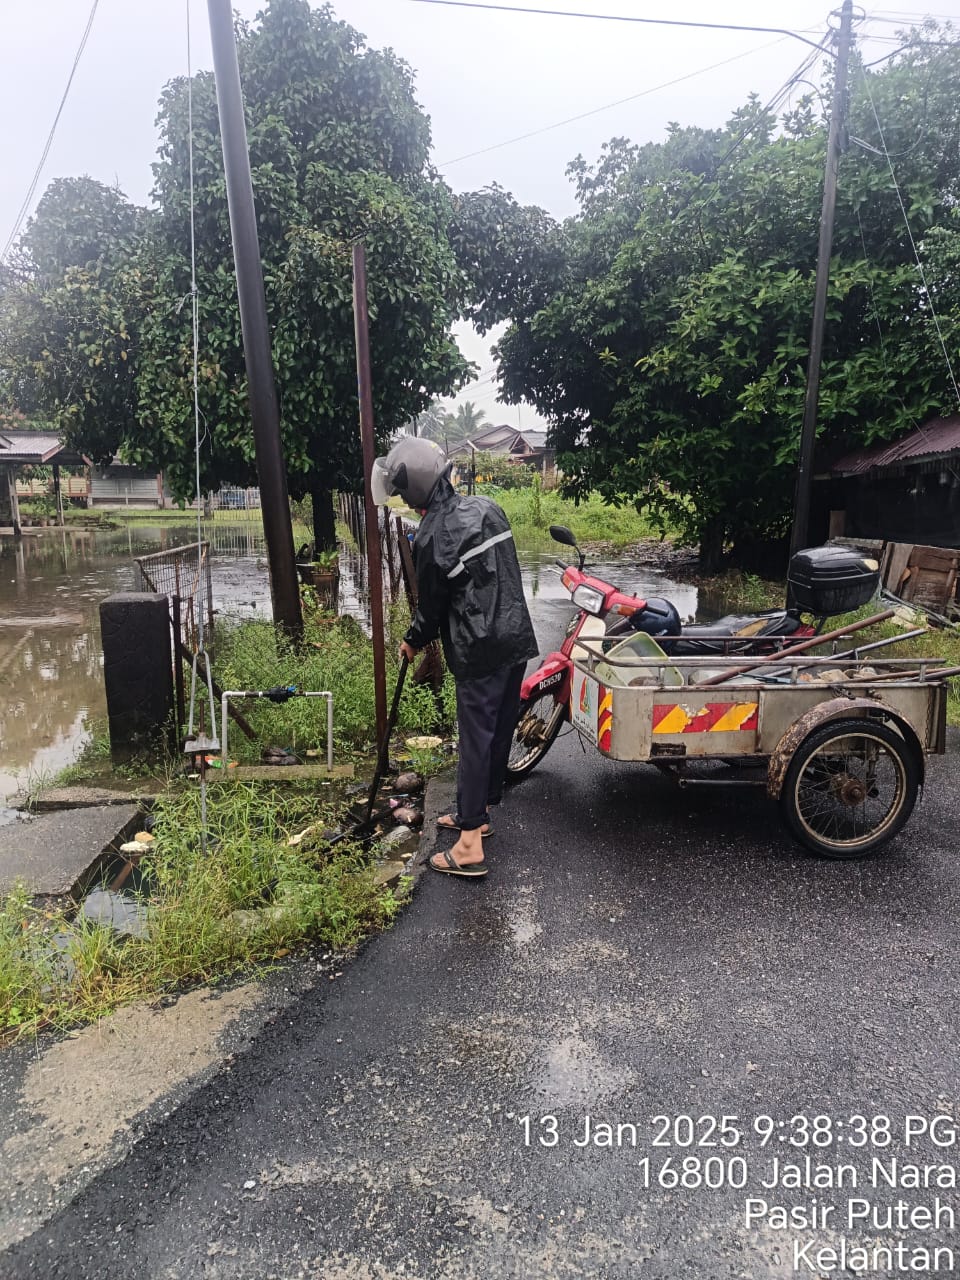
[58, 493]
[374, 569]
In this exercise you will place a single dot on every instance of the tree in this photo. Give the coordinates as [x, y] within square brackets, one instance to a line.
[667, 345]
[72, 304]
[434, 423]
[468, 420]
[339, 149]
[448, 429]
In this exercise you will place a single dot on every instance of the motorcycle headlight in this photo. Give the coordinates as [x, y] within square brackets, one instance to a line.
[588, 599]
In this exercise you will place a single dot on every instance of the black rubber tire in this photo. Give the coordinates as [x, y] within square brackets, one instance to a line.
[542, 723]
[838, 826]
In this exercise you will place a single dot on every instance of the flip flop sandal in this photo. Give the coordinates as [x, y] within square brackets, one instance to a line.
[453, 825]
[453, 868]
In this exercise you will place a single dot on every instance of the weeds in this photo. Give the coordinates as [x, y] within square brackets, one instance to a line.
[735, 591]
[249, 897]
[337, 657]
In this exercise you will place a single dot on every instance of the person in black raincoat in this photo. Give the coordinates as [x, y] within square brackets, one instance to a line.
[471, 596]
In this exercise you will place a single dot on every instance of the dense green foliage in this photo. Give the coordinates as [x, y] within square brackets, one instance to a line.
[665, 334]
[531, 511]
[95, 320]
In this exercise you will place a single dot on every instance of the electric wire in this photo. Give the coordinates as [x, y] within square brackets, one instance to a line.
[195, 317]
[609, 106]
[201, 654]
[616, 17]
[28, 198]
[913, 243]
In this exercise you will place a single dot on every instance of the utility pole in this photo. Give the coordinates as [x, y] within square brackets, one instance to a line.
[257, 354]
[808, 434]
[361, 323]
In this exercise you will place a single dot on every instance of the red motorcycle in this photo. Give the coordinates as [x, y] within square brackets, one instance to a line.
[608, 614]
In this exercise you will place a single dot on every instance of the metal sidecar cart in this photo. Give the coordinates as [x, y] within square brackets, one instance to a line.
[843, 742]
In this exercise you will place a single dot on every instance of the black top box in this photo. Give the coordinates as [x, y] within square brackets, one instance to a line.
[829, 580]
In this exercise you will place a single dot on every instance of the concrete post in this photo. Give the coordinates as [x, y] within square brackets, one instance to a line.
[138, 673]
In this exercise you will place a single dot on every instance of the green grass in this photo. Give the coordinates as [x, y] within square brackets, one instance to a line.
[531, 512]
[337, 657]
[288, 895]
[736, 591]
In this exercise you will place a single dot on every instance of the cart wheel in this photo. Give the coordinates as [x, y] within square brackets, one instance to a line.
[849, 788]
[540, 720]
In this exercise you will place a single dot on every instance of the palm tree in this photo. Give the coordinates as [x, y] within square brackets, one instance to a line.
[431, 424]
[468, 420]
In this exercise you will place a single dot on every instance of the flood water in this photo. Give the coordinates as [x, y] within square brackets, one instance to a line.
[52, 583]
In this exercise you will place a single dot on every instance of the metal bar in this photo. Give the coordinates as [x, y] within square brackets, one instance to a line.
[921, 676]
[374, 567]
[812, 643]
[58, 493]
[254, 324]
[880, 644]
[722, 782]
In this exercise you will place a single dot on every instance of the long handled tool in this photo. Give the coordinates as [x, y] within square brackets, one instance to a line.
[362, 826]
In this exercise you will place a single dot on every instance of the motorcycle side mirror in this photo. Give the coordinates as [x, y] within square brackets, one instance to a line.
[560, 533]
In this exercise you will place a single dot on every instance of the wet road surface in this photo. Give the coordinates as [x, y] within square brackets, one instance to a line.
[635, 952]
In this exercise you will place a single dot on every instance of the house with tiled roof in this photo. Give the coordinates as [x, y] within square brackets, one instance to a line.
[528, 447]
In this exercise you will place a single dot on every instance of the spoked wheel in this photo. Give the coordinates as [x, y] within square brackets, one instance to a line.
[540, 720]
[850, 788]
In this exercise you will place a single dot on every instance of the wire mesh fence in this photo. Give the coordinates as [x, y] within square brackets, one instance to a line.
[183, 574]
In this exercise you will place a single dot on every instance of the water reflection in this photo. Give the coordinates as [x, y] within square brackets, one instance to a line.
[51, 585]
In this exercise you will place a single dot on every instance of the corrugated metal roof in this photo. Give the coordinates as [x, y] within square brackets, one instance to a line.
[935, 438]
[29, 446]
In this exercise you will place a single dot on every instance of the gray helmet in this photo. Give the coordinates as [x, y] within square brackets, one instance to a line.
[411, 469]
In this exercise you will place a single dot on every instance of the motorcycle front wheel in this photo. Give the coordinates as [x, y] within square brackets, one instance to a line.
[540, 719]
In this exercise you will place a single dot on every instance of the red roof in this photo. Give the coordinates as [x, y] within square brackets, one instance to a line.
[938, 437]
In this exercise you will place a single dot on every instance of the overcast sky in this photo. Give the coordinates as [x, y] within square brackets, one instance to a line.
[484, 78]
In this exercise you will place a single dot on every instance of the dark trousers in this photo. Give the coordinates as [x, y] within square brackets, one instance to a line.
[487, 710]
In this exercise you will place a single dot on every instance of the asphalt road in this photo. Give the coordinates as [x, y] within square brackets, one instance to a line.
[636, 952]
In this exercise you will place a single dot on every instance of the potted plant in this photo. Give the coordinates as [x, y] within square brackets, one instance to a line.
[322, 569]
